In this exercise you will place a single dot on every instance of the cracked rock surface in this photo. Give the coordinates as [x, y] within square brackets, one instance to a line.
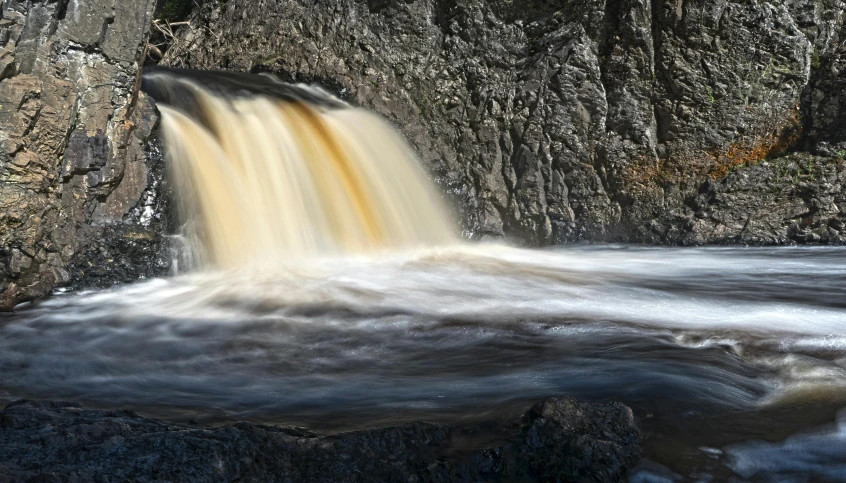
[560, 439]
[598, 120]
[75, 168]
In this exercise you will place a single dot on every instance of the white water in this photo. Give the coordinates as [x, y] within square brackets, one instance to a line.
[469, 333]
[265, 180]
[309, 316]
[819, 454]
[745, 327]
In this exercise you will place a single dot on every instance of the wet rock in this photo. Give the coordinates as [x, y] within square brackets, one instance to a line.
[577, 120]
[138, 247]
[73, 130]
[793, 199]
[560, 440]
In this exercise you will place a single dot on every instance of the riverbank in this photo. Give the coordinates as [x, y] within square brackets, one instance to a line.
[559, 439]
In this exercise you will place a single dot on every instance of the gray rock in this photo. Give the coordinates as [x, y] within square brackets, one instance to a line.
[545, 122]
[73, 132]
[825, 98]
[561, 121]
[558, 440]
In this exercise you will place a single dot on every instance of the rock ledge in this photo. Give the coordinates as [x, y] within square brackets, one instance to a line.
[559, 439]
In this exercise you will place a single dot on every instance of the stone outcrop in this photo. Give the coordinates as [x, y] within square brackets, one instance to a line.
[559, 439]
[583, 119]
[657, 121]
[74, 160]
[798, 198]
[825, 99]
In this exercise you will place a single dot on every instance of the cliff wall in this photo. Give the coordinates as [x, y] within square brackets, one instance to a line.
[603, 120]
[75, 168]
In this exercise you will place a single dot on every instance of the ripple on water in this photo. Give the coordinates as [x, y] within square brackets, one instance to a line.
[453, 334]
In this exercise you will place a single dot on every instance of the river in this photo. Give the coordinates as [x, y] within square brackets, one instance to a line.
[733, 359]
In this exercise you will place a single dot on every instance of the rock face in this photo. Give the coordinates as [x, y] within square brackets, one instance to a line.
[580, 119]
[658, 121]
[798, 198]
[74, 163]
[558, 440]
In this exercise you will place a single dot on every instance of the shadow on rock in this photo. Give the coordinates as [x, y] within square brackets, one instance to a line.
[560, 439]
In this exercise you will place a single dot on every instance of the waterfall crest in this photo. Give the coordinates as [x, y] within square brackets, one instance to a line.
[275, 178]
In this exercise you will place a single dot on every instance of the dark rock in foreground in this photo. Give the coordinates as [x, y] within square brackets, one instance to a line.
[560, 439]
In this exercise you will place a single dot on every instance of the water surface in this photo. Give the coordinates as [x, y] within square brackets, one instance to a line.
[732, 358]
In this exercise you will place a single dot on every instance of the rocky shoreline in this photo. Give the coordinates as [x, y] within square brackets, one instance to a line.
[559, 439]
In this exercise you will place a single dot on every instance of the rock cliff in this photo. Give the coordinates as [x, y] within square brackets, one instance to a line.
[75, 165]
[600, 120]
[674, 122]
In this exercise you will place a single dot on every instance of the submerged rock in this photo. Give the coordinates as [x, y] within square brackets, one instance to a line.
[560, 439]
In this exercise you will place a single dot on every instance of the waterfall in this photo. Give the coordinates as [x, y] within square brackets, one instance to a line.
[281, 172]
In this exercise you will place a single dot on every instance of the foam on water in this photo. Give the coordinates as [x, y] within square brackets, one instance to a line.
[817, 455]
[469, 299]
[448, 334]
[333, 293]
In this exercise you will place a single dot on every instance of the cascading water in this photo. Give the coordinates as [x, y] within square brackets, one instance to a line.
[384, 317]
[271, 179]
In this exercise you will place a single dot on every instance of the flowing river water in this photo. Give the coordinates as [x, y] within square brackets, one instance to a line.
[331, 291]
[733, 359]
